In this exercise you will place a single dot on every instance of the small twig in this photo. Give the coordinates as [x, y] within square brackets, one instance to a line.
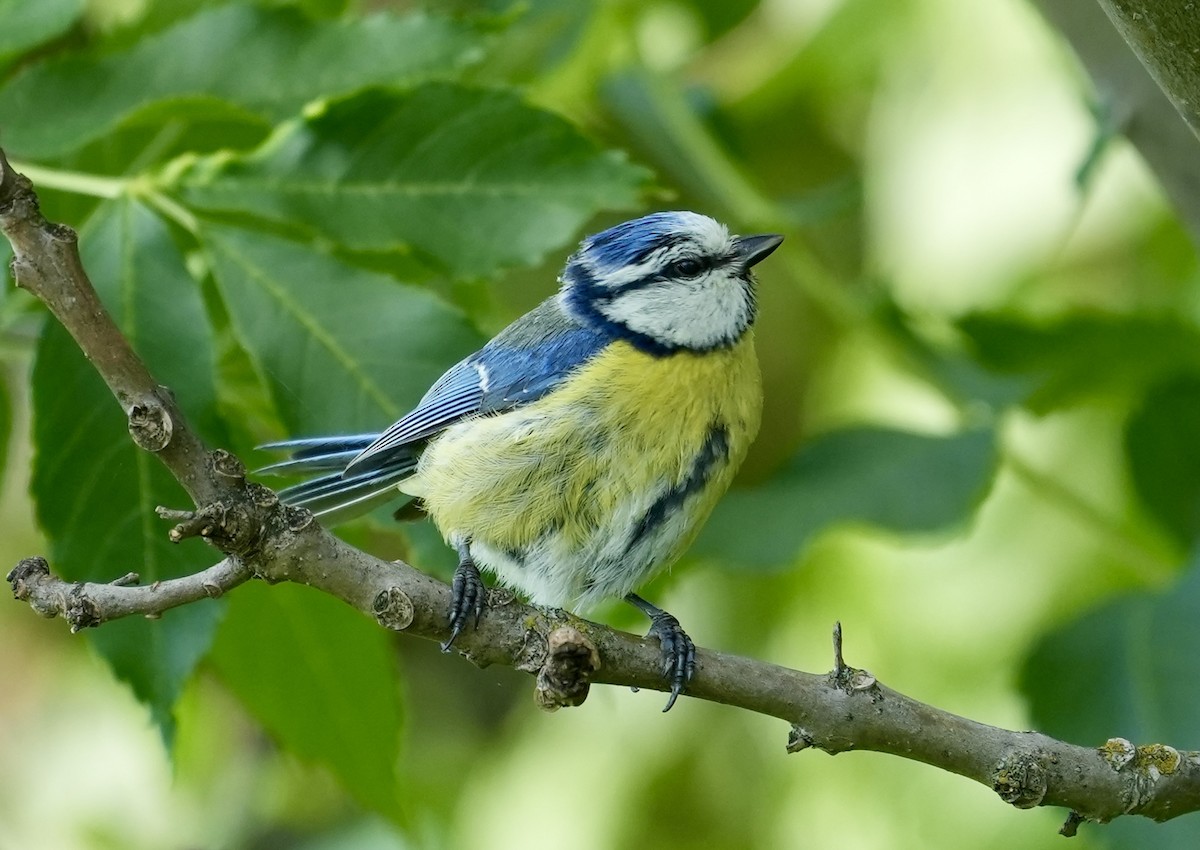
[843, 675]
[87, 604]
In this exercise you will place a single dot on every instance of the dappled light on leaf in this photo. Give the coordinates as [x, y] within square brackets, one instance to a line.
[421, 170]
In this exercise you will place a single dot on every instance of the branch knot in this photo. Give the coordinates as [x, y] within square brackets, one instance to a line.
[80, 611]
[1020, 779]
[150, 426]
[25, 574]
[565, 677]
[393, 609]
[235, 528]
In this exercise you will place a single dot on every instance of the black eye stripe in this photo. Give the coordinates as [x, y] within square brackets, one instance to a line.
[670, 272]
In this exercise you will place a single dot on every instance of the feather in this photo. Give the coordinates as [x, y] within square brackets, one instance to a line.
[316, 454]
[524, 362]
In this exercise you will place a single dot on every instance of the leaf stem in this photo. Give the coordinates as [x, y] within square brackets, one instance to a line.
[94, 185]
[169, 207]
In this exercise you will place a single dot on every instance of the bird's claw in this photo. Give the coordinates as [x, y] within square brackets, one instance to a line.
[678, 653]
[468, 597]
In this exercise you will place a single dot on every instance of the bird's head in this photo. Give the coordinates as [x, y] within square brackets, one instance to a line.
[667, 281]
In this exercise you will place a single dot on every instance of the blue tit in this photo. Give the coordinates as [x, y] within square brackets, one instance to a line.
[578, 453]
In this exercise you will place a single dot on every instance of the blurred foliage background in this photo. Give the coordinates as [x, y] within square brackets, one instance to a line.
[979, 345]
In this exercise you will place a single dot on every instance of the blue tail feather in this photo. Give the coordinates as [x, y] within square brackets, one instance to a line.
[335, 496]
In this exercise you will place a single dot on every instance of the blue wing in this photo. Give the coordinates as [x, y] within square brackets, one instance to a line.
[523, 363]
[520, 365]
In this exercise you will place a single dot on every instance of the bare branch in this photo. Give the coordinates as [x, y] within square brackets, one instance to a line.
[1164, 35]
[847, 709]
[88, 604]
[1136, 104]
[46, 262]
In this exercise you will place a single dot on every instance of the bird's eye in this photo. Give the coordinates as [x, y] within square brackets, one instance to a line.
[687, 267]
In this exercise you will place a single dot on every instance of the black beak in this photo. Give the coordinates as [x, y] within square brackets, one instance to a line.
[754, 249]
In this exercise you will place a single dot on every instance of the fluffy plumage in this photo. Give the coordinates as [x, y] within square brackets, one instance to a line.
[579, 452]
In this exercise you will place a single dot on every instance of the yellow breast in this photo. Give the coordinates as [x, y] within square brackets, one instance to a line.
[556, 496]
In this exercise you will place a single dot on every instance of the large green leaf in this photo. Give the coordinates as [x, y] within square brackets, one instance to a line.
[266, 63]
[1129, 669]
[95, 491]
[476, 180]
[1164, 455]
[1084, 355]
[343, 350]
[322, 680]
[24, 24]
[895, 479]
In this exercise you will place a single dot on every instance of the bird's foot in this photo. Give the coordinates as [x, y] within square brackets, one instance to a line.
[468, 597]
[678, 651]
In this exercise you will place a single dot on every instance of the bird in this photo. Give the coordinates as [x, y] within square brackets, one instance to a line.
[577, 454]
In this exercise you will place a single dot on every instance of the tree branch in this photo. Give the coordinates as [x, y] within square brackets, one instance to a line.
[846, 709]
[1135, 103]
[1165, 36]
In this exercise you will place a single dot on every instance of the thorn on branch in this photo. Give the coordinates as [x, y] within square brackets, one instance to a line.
[843, 676]
[799, 739]
[565, 677]
[1070, 827]
[127, 580]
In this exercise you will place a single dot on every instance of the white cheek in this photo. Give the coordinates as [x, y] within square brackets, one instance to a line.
[696, 315]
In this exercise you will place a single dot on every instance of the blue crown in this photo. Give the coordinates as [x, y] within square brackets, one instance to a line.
[630, 242]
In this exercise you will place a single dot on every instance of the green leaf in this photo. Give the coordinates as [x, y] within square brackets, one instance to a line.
[1128, 669]
[1164, 455]
[266, 63]
[898, 480]
[476, 180]
[321, 679]
[343, 350]
[95, 491]
[1084, 355]
[24, 24]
